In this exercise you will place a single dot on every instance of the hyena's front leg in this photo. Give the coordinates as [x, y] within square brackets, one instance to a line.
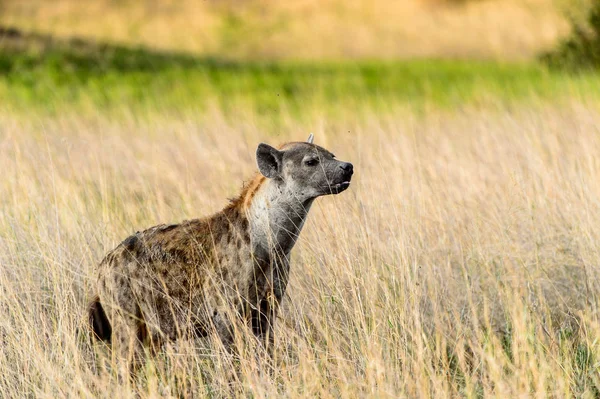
[264, 313]
[263, 317]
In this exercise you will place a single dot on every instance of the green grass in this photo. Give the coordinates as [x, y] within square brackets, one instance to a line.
[39, 73]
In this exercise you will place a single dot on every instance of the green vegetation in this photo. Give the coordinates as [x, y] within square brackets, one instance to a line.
[582, 49]
[50, 76]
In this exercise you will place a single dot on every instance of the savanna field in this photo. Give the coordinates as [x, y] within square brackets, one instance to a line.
[463, 260]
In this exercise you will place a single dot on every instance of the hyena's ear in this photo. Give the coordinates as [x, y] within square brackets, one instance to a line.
[269, 160]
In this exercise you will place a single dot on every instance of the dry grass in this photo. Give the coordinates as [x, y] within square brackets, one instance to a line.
[307, 29]
[463, 261]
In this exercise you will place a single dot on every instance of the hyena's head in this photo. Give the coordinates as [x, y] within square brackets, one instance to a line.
[304, 169]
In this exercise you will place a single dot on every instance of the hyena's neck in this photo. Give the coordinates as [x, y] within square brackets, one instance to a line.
[275, 218]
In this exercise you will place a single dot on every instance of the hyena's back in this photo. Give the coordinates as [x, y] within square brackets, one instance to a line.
[159, 282]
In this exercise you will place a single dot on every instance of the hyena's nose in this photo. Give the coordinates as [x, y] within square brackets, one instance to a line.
[347, 167]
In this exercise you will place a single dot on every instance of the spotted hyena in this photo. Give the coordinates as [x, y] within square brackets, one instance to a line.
[195, 277]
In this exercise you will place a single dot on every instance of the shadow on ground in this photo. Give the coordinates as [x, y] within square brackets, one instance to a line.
[20, 50]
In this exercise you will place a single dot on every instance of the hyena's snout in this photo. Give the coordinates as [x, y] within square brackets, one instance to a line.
[348, 169]
[342, 177]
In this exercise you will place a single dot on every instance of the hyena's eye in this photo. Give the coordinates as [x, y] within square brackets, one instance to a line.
[311, 162]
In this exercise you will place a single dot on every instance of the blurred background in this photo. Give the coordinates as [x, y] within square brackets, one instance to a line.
[268, 55]
[305, 29]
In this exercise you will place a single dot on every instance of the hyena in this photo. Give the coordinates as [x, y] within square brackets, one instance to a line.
[188, 279]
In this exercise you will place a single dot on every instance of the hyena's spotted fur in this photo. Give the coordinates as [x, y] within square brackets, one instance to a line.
[191, 278]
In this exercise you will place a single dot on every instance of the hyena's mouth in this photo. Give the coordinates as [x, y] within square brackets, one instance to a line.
[338, 188]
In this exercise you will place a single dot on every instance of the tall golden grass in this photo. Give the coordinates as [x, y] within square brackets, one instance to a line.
[307, 29]
[463, 260]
